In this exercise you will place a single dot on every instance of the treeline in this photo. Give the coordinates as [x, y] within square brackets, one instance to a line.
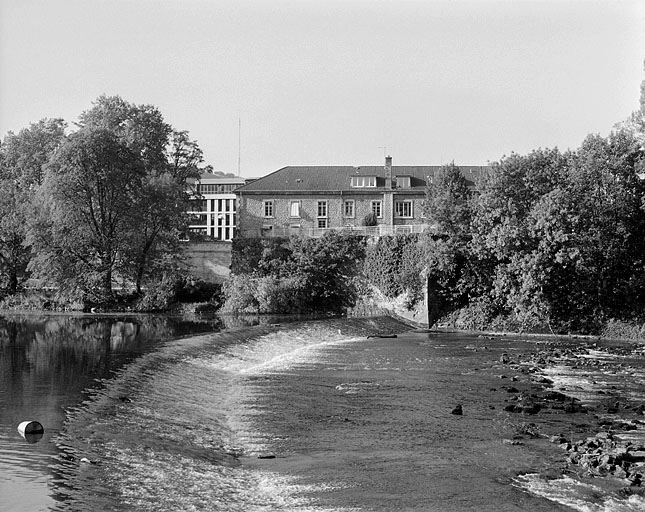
[551, 239]
[295, 275]
[102, 203]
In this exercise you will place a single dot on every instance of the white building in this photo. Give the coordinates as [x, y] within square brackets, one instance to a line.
[214, 212]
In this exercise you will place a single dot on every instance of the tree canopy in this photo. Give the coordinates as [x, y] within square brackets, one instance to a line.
[106, 202]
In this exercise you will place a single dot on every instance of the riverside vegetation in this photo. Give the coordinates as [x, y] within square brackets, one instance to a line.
[549, 241]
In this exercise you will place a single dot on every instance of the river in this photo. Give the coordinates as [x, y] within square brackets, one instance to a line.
[150, 414]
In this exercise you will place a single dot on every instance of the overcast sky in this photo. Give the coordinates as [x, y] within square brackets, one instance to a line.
[317, 82]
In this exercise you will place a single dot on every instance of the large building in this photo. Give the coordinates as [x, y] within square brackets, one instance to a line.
[310, 200]
[214, 212]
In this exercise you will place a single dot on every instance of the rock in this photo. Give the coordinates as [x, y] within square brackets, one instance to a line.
[531, 408]
[636, 455]
[555, 396]
[458, 411]
[619, 472]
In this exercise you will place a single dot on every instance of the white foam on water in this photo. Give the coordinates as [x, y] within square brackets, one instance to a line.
[275, 352]
[148, 479]
[579, 495]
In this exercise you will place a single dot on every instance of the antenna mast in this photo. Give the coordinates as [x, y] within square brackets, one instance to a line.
[239, 144]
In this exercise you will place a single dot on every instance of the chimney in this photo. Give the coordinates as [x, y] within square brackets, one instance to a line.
[388, 172]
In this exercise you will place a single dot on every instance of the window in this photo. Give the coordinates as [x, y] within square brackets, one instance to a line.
[268, 208]
[377, 208]
[267, 230]
[348, 210]
[363, 181]
[322, 223]
[403, 181]
[403, 208]
[294, 211]
[322, 209]
[212, 188]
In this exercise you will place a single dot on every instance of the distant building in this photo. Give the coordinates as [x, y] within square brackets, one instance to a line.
[311, 200]
[214, 212]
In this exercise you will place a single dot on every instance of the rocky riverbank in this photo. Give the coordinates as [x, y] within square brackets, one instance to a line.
[599, 386]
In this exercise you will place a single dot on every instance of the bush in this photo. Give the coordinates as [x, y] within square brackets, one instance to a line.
[190, 289]
[240, 294]
[370, 220]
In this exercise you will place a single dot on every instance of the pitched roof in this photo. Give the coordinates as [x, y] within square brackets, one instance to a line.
[335, 178]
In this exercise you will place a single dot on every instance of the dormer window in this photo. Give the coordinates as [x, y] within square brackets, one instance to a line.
[403, 181]
[363, 181]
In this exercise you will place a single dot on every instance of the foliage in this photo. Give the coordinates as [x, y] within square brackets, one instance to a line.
[325, 269]
[451, 276]
[370, 220]
[395, 265]
[190, 289]
[108, 201]
[298, 275]
[89, 199]
[553, 239]
[264, 256]
[160, 296]
[170, 160]
[22, 160]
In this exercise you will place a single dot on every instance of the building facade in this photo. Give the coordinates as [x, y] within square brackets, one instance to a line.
[214, 211]
[311, 200]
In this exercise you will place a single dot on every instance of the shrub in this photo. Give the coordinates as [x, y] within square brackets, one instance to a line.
[190, 289]
[370, 219]
[240, 294]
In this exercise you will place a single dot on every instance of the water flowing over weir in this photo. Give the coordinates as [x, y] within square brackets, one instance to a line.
[315, 416]
[167, 433]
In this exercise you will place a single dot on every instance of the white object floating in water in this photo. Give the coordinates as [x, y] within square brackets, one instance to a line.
[32, 431]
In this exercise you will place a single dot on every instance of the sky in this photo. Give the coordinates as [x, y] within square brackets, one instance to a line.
[265, 84]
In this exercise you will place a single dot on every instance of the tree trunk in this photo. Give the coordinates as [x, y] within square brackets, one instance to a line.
[139, 278]
[13, 281]
[107, 282]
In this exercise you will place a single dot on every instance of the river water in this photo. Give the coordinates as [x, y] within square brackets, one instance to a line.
[306, 416]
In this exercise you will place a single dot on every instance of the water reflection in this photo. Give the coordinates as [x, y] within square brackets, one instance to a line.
[47, 363]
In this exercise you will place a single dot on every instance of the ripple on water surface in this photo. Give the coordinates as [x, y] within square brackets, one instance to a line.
[342, 422]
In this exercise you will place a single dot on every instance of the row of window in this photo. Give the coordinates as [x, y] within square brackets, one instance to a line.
[212, 188]
[216, 205]
[223, 219]
[401, 209]
[370, 181]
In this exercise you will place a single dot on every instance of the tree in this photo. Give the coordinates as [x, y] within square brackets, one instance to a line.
[447, 206]
[170, 160]
[505, 245]
[22, 160]
[89, 200]
[606, 192]
[326, 268]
